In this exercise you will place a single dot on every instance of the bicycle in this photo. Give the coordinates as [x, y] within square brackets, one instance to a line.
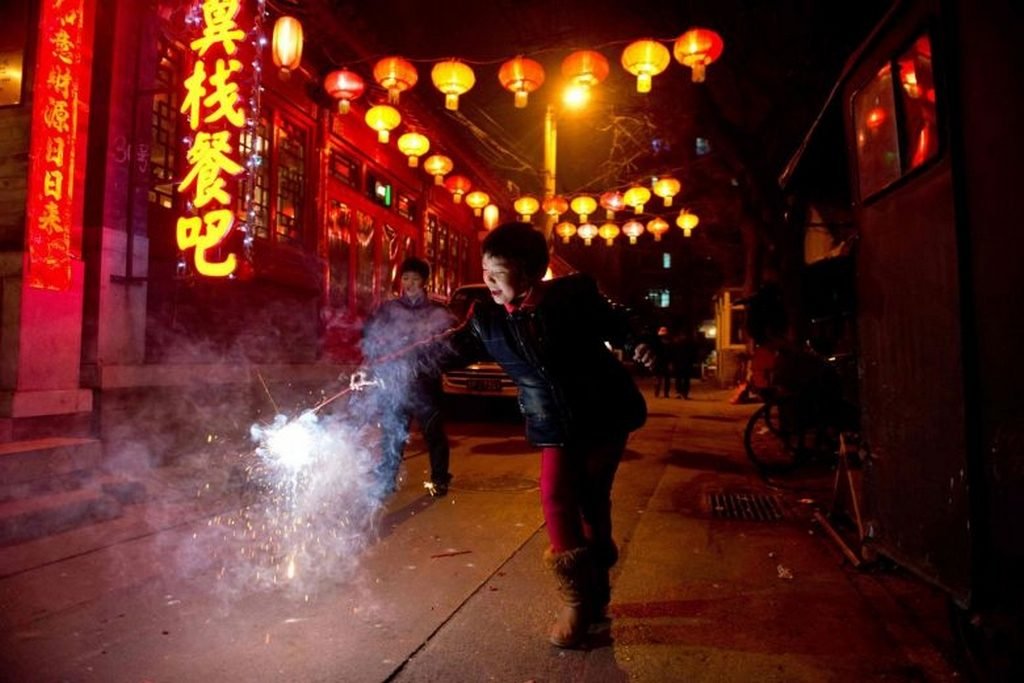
[800, 425]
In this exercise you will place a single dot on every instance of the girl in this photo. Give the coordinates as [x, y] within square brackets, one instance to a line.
[578, 401]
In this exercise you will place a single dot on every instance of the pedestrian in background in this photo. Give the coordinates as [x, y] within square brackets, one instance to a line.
[579, 403]
[682, 355]
[410, 368]
[662, 363]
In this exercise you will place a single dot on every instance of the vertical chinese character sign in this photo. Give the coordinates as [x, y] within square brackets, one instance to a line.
[213, 107]
[55, 129]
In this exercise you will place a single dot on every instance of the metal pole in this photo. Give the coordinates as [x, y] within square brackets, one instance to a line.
[550, 163]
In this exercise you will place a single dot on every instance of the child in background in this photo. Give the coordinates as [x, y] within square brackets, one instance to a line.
[413, 379]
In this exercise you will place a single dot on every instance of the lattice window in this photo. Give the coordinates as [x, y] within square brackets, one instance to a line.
[259, 176]
[291, 179]
[164, 137]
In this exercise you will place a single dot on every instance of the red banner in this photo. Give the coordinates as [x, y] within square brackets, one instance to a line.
[51, 178]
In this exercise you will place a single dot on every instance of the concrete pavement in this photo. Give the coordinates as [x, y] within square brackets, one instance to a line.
[453, 589]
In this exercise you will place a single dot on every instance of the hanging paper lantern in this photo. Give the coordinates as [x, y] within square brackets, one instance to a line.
[587, 231]
[491, 216]
[612, 202]
[286, 45]
[633, 229]
[453, 78]
[396, 75]
[687, 221]
[565, 230]
[521, 75]
[645, 59]
[344, 86]
[526, 206]
[458, 185]
[608, 232]
[657, 227]
[697, 48]
[413, 145]
[585, 68]
[383, 119]
[636, 197]
[667, 188]
[583, 205]
[438, 166]
[477, 200]
[555, 206]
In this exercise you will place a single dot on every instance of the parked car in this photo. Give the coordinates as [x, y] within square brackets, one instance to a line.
[483, 377]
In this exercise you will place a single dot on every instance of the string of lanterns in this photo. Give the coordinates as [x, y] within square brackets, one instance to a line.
[696, 48]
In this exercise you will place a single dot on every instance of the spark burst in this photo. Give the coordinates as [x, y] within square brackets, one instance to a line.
[312, 504]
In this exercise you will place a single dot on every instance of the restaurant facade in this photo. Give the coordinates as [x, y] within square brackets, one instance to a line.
[182, 222]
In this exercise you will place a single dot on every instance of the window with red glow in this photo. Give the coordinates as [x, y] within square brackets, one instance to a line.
[917, 97]
[895, 120]
[339, 242]
[878, 144]
[343, 169]
[365, 247]
[429, 230]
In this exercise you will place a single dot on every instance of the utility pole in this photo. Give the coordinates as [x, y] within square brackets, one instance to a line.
[550, 162]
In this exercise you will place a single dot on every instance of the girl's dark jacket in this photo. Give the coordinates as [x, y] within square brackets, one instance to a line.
[572, 389]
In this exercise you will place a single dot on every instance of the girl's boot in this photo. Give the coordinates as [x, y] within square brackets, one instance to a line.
[574, 572]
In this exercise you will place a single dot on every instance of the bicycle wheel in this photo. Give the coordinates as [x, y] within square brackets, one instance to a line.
[771, 448]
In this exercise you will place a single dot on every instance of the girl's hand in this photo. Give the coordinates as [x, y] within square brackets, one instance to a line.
[644, 355]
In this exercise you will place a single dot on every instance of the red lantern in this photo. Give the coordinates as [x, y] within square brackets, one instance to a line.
[555, 206]
[585, 68]
[477, 200]
[645, 59]
[453, 78]
[395, 74]
[632, 230]
[657, 227]
[565, 230]
[587, 231]
[521, 76]
[344, 86]
[608, 232]
[438, 166]
[612, 201]
[458, 185]
[526, 206]
[413, 145]
[697, 48]
[286, 45]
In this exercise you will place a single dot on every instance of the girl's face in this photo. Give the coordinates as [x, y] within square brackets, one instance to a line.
[503, 279]
[412, 285]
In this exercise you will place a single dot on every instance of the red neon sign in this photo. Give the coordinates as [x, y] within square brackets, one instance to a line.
[58, 80]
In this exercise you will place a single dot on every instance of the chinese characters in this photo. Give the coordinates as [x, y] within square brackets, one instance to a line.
[213, 109]
[54, 137]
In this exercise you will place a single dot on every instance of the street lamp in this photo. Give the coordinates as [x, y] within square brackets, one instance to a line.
[571, 100]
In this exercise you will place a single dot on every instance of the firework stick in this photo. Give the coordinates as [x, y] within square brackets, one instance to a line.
[399, 353]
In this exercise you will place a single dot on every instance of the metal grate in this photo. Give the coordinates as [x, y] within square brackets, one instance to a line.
[754, 507]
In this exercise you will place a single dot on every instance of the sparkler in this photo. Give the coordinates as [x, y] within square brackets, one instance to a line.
[318, 497]
[360, 379]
